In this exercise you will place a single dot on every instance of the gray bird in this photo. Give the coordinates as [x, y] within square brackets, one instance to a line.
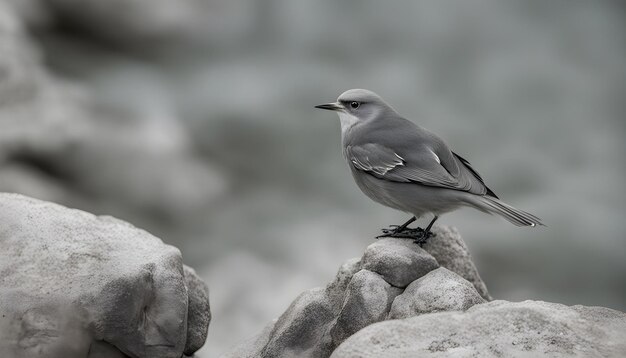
[403, 166]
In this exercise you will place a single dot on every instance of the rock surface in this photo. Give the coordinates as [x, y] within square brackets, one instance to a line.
[76, 285]
[439, 290]
[496, 329]
[439, 308]
[386, 255]
[367, 300]
[199, 312]
[452, 253]
[394, 277]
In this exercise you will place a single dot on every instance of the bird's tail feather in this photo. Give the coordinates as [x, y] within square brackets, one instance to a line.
[517, 217]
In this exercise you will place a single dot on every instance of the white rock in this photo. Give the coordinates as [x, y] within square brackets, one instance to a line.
[398, 261]
[450, 250]
[440, 290]
[495, 329]
[70, 280]
[367, 300]
[199, 313]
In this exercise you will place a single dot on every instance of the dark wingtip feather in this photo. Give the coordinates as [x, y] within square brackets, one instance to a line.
[467, 164]
[491, 193]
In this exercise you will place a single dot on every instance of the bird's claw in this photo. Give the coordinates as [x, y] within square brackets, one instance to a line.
[405, 233]
[391, 229]
[417, 235]
[423, 238]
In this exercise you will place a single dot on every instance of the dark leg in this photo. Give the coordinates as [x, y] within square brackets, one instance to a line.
[407, 223]
[396, 229]
[426, 234]
[431, 224]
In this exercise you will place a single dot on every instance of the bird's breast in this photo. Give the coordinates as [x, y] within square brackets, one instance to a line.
[347, 121]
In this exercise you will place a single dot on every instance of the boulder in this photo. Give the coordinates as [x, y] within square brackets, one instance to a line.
[368, 298]
[77, 285]
[199, 311]
[387, 256]
[439, 290]
[495, 329]
[302, 330]
[391, 273]
[337, 287]
[450, 250]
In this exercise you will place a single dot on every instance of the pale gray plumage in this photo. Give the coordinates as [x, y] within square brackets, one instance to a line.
[402, 165]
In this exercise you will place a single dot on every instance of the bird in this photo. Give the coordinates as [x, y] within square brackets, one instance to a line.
[401, 165]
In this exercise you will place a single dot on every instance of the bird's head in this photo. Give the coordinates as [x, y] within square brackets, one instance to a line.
[357, 105]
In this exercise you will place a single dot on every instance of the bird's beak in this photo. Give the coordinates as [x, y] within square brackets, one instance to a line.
[331, 106]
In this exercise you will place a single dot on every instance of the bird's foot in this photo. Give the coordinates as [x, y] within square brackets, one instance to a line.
[418, 235]
[401, 233]
[423, 238]
[393, 229]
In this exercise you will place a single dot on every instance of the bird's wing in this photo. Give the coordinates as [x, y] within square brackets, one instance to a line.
[385, 163]
[373, 158]
[468, 166]
[428, 166]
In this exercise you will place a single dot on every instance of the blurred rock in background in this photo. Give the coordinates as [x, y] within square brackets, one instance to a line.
[60, 142]
[194, 119]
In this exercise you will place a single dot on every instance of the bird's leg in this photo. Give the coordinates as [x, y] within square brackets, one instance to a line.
[407, 223]
[396, 229]
[426, 234]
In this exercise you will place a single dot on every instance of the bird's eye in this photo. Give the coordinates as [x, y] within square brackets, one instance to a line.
[355, 105]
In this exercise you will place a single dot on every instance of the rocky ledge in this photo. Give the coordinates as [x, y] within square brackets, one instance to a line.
[77, 285]
[496, 329]
[401, 300]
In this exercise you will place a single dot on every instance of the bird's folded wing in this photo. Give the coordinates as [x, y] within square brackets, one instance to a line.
[373, 158]
[423, 166]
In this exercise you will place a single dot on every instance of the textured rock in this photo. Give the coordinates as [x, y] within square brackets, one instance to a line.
[496, 329]
[439, 313]
[249, 299]
[273, 341]
[368, 298]
[199, 311]
[337, 288]
[439, 290]
[452, 253]
[70, 280]
[399, 262]
[301, 330]
[362, 293]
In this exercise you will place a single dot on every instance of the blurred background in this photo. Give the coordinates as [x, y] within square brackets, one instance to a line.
[194, 120]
